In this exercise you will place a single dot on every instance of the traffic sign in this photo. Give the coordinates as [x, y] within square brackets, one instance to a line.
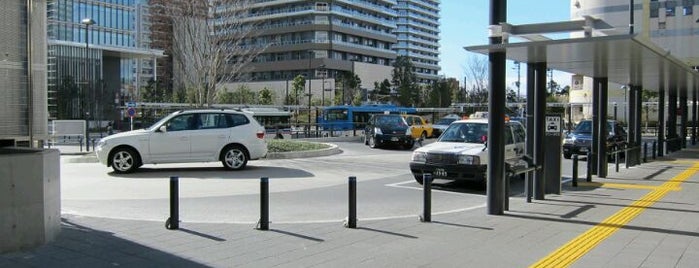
[131, 104]
[131, 111]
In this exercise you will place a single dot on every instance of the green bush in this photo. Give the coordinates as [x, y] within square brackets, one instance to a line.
[293, 146]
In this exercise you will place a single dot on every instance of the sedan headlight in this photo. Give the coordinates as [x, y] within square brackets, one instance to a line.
[377, 130]
[419, 157]
[101, 143]
[569, 140]
[469, 160]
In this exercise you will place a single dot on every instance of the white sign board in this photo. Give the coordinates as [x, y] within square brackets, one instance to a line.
[553, 125]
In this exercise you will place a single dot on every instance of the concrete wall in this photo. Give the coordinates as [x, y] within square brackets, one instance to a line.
[30, 197]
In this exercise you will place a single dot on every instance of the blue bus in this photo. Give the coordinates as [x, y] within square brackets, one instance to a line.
[355, 117]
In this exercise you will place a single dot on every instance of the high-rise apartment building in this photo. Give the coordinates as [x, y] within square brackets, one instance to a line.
[337, 35]
[418, 36]
[99, 52]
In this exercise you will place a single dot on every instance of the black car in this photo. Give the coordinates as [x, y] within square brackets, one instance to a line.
[579, 141]
[388, 129]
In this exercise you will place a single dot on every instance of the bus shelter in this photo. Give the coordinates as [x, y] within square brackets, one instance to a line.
[626, 59]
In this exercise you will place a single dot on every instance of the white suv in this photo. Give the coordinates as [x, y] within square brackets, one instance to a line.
[461, 152]
[232, 137]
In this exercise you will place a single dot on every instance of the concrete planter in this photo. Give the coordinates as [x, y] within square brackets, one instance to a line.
[30, 198]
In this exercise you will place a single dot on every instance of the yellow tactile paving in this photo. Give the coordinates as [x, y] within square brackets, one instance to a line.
[581, 245]
[622, 186]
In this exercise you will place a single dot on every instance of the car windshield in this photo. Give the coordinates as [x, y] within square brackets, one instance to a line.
[392, 121]
[465, 132]
[445, 121]
[585, 127]
[160, 122]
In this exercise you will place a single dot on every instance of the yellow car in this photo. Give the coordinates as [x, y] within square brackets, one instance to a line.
[419, 127]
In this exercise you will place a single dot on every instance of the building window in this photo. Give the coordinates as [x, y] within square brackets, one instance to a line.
[654, 9]
[670, 8]
[661, 25]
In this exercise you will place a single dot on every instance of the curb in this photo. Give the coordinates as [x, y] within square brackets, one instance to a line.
[334, 149]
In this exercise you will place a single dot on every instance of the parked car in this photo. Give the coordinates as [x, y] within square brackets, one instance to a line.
[579, 141]
[420, 128]
[461, 152]
[388, 129]
[443, 124]
[232, 137]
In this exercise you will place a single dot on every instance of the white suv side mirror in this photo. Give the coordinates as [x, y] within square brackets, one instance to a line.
[163, 129]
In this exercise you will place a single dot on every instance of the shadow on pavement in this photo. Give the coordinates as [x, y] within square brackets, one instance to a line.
[80, 246]
[214, 173]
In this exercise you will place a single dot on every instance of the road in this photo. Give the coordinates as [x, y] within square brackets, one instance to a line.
[301, 190]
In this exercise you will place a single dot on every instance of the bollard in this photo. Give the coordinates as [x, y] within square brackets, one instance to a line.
[81, 144]
[352, 217]
[263, 223]
[427, 198]
[588, 176]
[616, 161]
[575, 170]
[93, 144]
[653, 153]
[645, 152]
[173, 223]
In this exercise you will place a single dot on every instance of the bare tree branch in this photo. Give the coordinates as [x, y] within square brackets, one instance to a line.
[213, 41]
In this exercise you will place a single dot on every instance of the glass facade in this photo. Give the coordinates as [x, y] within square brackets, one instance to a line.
[91, 65]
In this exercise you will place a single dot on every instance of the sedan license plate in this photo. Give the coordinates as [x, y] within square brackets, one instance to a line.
[439, 172]
[394, 139]
[583, 149]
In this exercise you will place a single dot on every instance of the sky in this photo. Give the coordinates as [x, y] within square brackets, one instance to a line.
[465, 23]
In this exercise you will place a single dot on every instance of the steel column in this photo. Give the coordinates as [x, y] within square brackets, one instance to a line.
[601, 130]
[539, 130]
[496, 114]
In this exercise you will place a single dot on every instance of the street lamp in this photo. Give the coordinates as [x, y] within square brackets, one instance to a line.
[87, 22]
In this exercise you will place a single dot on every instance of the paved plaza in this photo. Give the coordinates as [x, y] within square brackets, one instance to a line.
[643, 216]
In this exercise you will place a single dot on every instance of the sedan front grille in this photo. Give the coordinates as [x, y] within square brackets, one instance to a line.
[441, 158]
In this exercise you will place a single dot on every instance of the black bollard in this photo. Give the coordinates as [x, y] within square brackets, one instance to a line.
[352, 217]
[654, 153]
[427, 198]
[81, 144]
[263, 224]
[588, 176]
[616, 161]
[575, 170]
[645, 152]
[173, 223]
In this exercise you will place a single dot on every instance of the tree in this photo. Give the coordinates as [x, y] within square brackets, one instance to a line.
[265, 96]
[212, 43]
[382, 91]
[440, 94]
[243, 95]
[477, 80]
[350, 83]
[154, 92]
[68, 98]
[297, 88]
[405, 81]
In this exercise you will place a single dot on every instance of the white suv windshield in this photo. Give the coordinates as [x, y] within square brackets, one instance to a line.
[465, 132]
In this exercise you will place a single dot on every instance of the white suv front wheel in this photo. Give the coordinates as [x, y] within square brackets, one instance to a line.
[124, 160]
[234, 157]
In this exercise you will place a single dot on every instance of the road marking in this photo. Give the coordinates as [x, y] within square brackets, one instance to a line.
[400, 185]
[584, 243]
[624, 186]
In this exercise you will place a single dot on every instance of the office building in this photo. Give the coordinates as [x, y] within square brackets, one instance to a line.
[23, 113]
[99, 55]
[418, 36]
